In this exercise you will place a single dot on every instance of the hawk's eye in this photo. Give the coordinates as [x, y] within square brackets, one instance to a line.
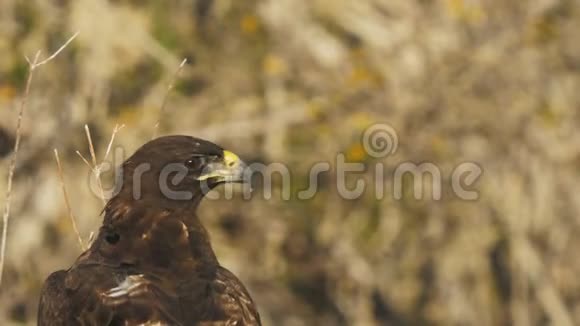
[196, 162]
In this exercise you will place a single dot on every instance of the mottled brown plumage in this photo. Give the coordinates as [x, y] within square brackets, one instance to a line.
[152, 262]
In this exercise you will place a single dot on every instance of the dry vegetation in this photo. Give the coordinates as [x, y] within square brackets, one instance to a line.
[290, 81]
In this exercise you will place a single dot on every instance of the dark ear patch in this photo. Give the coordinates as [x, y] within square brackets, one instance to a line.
[112, 238]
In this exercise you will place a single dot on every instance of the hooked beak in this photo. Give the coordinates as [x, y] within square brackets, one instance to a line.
[229, 169]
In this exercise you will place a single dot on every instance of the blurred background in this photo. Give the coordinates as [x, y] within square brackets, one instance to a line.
[297, 82]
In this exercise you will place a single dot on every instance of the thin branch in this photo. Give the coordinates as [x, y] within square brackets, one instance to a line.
[91, 147]
[84, 160]
[47, 60]
[115, 131]
[12, 167]
[166, 97]
[66, 200]
[95, 167]
[91, 238]
[32, 64]
[6, 216]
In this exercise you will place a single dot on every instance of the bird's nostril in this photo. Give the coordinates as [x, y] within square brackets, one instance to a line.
[230, 159]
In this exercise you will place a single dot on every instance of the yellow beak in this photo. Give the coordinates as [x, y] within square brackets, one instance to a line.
[230, 169]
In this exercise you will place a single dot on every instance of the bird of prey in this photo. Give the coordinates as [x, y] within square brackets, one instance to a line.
[152, 262]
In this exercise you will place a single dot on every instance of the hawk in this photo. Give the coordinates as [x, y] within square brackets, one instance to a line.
[152, 262]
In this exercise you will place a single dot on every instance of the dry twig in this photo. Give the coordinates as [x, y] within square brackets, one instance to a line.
[112, 140]
[66, 200]
[166, 97]
[32, 65]
[95, 167]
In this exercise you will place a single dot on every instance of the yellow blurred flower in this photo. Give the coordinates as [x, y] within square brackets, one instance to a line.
[356, 153]
[132, 115]
[7, 92]
[542, 31]
[324, 129]
[274, 65]
[439, 145]
[363, 76]
[249, 24]
[467, 10]
[361, 120]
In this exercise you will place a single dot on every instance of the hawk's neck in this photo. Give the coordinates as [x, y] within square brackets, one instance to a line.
[142, 233]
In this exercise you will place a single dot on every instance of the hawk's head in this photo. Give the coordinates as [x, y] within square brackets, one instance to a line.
[179, 168]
